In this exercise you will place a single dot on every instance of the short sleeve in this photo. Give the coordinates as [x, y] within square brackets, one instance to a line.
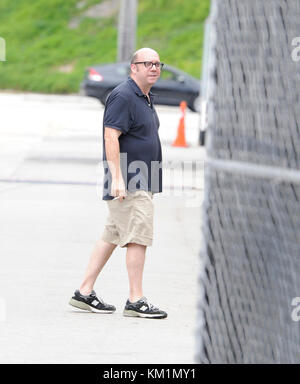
[117, 113]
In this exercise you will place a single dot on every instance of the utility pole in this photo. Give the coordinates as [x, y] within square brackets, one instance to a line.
[127, 29]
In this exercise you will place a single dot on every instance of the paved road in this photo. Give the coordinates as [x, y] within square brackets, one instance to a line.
[51, 214]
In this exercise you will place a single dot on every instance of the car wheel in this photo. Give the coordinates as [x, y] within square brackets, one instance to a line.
[195, 105]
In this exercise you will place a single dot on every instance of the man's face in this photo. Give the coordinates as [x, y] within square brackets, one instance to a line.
[147, 76]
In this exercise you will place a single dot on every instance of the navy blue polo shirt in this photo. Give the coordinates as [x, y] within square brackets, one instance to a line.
[128, 110]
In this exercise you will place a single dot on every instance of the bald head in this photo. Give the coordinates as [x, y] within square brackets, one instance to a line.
[142, 52]
[142, 73]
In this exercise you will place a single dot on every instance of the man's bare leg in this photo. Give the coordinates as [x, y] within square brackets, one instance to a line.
[135, 260]
[101, 253]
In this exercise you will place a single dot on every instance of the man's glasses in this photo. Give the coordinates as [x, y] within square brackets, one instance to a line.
[149, 64]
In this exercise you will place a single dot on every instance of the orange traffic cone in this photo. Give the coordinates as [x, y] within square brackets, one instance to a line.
[180, 139]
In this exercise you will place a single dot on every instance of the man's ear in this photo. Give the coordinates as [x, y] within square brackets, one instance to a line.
[133, 68]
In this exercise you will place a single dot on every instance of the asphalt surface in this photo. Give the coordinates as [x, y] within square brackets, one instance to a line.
[51, 215]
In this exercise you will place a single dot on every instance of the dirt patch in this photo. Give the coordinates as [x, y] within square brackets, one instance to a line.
[103, 10]
[65, 68]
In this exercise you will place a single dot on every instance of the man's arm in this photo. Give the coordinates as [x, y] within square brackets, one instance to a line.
[112, 149]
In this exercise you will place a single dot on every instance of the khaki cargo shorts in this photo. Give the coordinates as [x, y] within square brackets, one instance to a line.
[130, 221]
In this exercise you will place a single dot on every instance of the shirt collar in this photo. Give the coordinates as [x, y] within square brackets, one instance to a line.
[136, 88]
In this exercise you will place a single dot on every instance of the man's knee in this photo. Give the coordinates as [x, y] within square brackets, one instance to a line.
[130, 245]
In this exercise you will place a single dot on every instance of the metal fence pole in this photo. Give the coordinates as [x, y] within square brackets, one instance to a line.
[127, 29]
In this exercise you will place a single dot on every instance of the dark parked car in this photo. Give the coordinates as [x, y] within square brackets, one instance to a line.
[172, 87]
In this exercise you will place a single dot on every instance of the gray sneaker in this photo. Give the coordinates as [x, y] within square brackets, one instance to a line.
[142, 308]
[90, 303]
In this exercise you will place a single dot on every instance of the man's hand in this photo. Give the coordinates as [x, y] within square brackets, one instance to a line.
[118, 188]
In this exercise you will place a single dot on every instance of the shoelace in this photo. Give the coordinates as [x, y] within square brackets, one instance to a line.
[97, 297]
[151, 306]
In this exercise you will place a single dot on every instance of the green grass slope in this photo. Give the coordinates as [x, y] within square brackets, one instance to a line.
[45, 54]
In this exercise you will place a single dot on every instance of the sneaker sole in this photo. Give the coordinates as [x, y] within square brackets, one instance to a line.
[130, 313]
[85, 307]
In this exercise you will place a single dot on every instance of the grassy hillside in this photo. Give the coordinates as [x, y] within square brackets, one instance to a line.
[50, 42]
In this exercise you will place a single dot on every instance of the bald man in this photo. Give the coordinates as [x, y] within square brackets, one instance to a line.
[132, 166]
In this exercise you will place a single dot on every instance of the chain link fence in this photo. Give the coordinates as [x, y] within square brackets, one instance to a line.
[251, 211]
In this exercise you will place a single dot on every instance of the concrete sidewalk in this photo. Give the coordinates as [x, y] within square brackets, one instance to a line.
[48, 230]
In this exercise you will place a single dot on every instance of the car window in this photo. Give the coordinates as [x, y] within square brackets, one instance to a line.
[167, 75]
[123, 71]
